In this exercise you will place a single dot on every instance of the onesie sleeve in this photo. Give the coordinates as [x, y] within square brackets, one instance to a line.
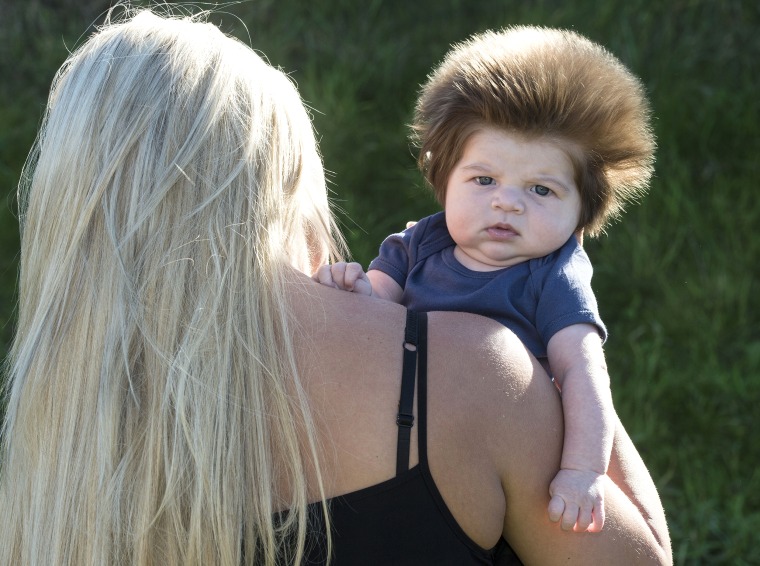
[393, 258]
[565, 293]
[400, 252]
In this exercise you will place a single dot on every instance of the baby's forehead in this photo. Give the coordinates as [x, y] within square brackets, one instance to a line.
[496, 142]
[573, 148]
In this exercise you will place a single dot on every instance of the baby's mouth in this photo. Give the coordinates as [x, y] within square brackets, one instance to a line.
[502, 232]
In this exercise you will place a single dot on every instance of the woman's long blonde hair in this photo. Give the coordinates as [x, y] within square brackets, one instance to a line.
[153, 398]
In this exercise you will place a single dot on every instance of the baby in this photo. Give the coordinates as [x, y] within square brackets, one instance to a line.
[530, 138]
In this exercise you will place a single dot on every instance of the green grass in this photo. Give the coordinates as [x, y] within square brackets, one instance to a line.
[676, 279]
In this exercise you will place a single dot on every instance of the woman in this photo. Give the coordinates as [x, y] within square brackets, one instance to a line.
[181, 391]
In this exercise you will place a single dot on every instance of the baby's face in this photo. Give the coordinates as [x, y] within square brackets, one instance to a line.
[510, 199]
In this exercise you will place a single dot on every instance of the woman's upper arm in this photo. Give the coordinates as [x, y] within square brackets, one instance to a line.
[628, 537]
[528, 457]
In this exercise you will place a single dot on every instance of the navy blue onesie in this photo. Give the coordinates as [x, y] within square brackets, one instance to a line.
[535, 298]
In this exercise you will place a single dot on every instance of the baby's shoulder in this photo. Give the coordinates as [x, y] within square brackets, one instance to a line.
[571, 253]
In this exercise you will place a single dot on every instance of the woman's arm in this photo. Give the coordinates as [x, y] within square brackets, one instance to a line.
[635, 529]
[498, 420]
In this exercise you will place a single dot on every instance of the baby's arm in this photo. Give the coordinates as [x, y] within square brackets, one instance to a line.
[384, 286]
[578, 365]
[351, 277]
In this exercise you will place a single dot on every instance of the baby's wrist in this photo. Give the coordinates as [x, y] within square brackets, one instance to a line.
[582, 470]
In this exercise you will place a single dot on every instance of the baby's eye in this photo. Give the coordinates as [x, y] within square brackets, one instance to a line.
[483, 181]
[540, 190]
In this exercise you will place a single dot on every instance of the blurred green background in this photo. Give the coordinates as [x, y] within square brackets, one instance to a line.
[676, 279]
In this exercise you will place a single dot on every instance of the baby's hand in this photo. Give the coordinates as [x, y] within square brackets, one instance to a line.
[577, 497]
[344, 276]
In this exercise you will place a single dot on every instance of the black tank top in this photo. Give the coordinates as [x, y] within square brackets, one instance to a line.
[404, 520]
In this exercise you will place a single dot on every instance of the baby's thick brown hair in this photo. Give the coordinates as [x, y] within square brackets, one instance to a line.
[542, 82]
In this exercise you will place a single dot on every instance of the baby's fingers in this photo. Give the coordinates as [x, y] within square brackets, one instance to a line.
[584, 520]
[356, 280]
[556, 508]
[324, 276]
[569, 517]
[599, 516]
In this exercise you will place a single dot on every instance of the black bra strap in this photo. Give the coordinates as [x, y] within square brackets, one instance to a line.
[415, 322]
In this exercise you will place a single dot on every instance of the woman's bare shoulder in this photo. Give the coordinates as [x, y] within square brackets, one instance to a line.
[485, 355]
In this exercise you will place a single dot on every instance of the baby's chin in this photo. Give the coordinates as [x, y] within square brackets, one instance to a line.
[480, 261]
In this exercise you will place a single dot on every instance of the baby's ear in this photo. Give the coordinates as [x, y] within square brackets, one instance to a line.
[579, 236]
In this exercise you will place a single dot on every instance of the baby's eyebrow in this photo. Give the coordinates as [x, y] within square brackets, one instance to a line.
[477, 167]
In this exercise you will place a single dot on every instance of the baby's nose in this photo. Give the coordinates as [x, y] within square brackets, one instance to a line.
[509, 199]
